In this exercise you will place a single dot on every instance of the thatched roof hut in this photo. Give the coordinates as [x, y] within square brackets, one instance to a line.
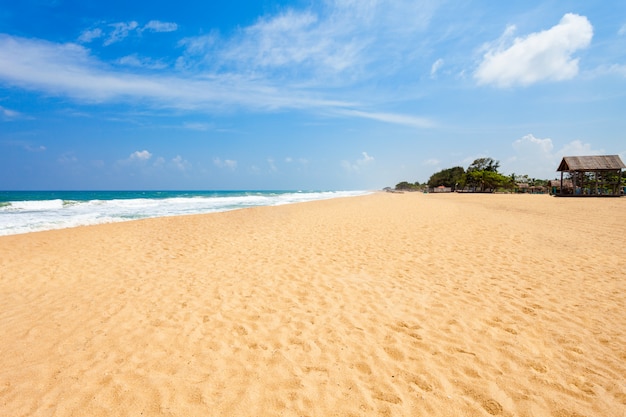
[557, 185]
[597, 175]
[591, 163]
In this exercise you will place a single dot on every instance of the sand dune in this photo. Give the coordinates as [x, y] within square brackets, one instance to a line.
[388, 304]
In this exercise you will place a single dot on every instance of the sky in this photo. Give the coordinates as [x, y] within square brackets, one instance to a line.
[303, 95]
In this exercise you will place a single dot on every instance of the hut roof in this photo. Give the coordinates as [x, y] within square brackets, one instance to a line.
[591, 163]
[557, 183]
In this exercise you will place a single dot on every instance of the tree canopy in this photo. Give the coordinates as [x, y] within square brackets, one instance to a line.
[407, 186]
[484, 164]
[482, 175]
[448, 177]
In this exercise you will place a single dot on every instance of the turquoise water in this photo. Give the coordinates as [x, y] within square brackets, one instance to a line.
[30, 211]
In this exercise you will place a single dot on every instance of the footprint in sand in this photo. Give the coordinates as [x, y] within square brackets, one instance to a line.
[395, 354]
[363, 368]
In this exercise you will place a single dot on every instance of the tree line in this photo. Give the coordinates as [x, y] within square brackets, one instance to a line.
[481, 176]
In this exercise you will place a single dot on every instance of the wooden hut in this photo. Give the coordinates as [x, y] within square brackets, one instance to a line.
[525, 188]
[591, 176]
[557, 185]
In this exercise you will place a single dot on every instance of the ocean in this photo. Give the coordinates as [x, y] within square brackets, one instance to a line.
[31, 211]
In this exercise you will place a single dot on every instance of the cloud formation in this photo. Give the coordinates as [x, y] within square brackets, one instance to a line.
[540, 56]
[401, 119]
[136, 61]
[120, 31]
[181, 164]
[334, 44]
[8, 114]
[117, 32]
[294, 59]
[70, 69]
[158, 26]
[90, 34]
[227, 163]
[355, 167]
[435, 68]
[140, 155]
[539, 156]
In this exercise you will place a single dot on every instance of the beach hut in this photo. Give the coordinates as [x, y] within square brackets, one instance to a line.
[591, 176]
[442, 189]
[522, 187]
[556, 185]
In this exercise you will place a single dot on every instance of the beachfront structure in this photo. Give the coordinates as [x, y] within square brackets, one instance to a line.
[442, 189]
[556, 186]
[525, 188]
[591, 176]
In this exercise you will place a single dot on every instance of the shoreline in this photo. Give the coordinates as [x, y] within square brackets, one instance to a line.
[48, 210]
[399, 304]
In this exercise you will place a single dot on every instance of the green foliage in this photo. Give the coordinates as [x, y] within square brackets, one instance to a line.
[482, 175]
[406, 186]
[448, 177]
[484, 164]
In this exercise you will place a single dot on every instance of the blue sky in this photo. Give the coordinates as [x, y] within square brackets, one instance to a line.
[303, 94]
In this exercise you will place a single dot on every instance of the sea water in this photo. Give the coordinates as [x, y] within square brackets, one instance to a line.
[31, 211]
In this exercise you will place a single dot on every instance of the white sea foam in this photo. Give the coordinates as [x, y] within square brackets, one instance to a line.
[29, 216]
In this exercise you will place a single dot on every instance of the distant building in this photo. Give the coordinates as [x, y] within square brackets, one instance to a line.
[525, 188]
[442, 189]
[590, 176]
[555, 186]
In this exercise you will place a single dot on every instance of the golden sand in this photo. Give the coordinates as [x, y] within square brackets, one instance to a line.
[387, 304]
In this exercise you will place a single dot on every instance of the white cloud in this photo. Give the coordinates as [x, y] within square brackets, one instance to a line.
[197, 126]
[366, 159]
[334, 43]
[140, 155]
[159, 162]
[272, 164]
[227, 163]
[181, 164]
[158, 26]
[432, 162]
[286, 61]
[614, 69]
[622, 30]
[67, 158]
[533, 156]
[27, 146]
[435, 68]
[537, 157]
[301, 161]
[401, 119]
[540, 56]
[120, 31]
[39, 148]
[531, 142]
[141, 62]
[360, 163]
[294, 38]
[88, 36]
[578, 148]
[69, 69]
[8, 114]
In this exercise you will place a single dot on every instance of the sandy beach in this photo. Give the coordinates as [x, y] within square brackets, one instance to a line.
[382, 305]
